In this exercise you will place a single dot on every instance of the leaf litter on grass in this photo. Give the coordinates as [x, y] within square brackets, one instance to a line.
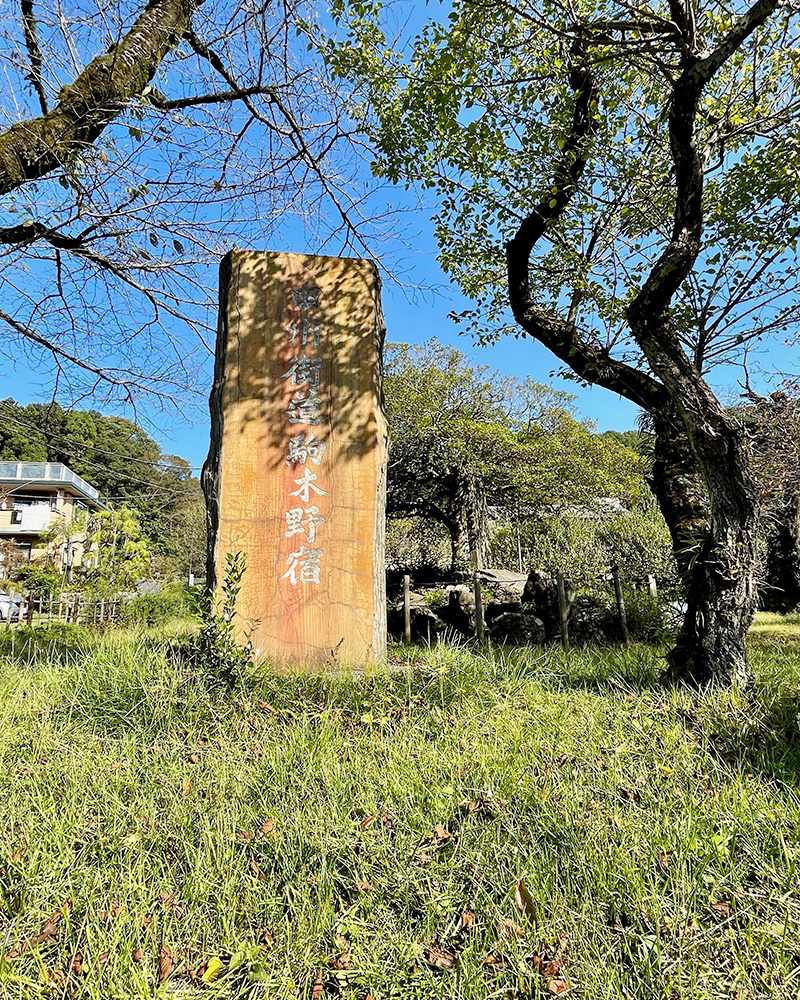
[562, 834]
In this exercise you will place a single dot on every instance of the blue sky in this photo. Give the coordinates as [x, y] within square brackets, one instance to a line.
[411, 317]
[419, 314]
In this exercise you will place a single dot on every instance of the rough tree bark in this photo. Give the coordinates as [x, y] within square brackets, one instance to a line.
[702, 475]
[102, 90]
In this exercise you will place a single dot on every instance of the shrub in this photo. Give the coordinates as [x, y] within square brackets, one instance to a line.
[41, 581]
[648, 620]
[216, 651]
[157, 609]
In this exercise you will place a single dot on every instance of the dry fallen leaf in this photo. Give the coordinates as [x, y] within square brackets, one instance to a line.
[664, 858]
[438, 957]
[364, 885]
[47, 935]
[508, 929]
[166, 962]
[549, 968]
[138, 955]
[723, 909]
[367, 822]
[440, 834]
[467, 920]
[316, 993]
[524, 900]
[267, 827]
[103, 958]
[342, 960]
[187, 784]
[421, 858]
[255, 870]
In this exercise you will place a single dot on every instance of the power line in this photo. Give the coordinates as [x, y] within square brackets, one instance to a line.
[113, 473]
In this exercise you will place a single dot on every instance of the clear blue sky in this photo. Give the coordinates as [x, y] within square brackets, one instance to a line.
[410, 318]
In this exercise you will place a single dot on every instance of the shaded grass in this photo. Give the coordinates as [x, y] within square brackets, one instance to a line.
[296, 822]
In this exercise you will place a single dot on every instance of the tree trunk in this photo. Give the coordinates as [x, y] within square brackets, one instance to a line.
[459, 544]
[32, 149]
[476, 516]
[708, 498]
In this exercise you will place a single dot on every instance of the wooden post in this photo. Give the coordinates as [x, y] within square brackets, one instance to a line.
[479, 625]
[30, 610]
[651, 585]
[623, 619]
[76, 607]
[563, 610]
[406, 609]
[295, 478]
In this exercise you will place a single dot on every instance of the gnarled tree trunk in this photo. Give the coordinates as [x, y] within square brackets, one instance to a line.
[710, 510]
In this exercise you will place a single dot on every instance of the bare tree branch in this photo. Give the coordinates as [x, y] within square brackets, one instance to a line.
[34, 52]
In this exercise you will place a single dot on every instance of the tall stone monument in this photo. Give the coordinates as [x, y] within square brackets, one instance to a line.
[296, 473]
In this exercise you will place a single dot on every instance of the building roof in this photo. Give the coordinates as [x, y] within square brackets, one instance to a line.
[38, 476]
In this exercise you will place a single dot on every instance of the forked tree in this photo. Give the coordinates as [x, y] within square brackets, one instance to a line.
[625, 176]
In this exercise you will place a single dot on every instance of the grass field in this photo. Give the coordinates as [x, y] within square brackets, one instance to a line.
[465, 825]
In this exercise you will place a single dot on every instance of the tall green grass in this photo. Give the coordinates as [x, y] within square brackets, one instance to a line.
[325, 835]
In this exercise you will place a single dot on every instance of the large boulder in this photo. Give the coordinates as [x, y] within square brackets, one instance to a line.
[593, 622]
[516, 628]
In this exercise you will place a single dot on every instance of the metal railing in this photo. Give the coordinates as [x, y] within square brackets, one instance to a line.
[45, 472]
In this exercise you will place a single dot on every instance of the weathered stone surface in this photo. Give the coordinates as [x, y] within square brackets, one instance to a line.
[593, 622]
[296, 473]
[516, 629]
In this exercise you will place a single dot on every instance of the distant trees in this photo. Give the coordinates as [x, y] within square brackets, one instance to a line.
[470, 446]
[123, 462]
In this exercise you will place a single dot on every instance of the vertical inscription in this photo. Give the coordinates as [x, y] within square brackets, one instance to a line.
[310, 406]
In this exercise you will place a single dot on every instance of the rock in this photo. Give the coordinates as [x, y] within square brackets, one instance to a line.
[517, 629]
[465, 597]
[493, 611]
[540, 597]
[454, 614]
[425, 625]
[592, 622]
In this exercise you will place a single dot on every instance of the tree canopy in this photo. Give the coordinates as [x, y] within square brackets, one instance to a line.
[467, 442]
[118, 458]
[623, 176]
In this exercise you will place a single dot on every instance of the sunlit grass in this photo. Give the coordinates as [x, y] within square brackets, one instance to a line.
[324, 835]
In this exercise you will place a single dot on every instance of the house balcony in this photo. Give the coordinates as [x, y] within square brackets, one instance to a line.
[47, 477]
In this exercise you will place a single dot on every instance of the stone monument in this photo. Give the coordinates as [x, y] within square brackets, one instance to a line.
[296, 474]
